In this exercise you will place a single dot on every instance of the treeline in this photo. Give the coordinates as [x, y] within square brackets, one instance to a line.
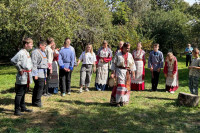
[171, 23]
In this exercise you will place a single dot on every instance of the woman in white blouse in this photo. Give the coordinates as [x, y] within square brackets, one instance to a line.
[88, 59]
[123, 67]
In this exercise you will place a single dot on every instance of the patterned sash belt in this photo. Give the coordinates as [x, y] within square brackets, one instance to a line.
[138, 59]
[28, 77]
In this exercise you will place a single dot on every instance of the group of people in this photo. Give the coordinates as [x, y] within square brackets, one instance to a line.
[51, 68]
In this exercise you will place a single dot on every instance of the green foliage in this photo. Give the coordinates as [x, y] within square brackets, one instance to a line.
[169, 29]
[171, 23]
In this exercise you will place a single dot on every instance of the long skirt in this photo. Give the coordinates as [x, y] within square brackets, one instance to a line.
[101, 76]
[138, 84]
[171, 83]
[120, 93]
[54, 80]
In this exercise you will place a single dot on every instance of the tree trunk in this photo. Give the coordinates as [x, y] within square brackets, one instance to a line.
[189, 100]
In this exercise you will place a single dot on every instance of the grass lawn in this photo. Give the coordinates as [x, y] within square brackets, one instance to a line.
[90, 111]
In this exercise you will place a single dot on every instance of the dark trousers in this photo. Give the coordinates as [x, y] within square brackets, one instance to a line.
[154, 80]
[20, 96]
[188, 59]
[38, 90]
[46, 88]
[65, 85]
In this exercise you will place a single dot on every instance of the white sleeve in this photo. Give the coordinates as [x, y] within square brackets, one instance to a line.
[81, 56]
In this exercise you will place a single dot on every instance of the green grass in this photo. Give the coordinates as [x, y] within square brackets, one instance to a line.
[90, 111]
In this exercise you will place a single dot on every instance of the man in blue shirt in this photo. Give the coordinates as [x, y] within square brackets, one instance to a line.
[155, 63]
[66, 63]
[188, 52]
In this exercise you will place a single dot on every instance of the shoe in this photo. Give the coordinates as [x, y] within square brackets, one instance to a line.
[118, 105]
[45, 94]
[167, 91]
[69, 93]
[99, 89]
[63, 94]
[172, 92]
[87, 89]
[18, 113]
[49, 94]
[37, 105]
[81, 90]
[26, 110]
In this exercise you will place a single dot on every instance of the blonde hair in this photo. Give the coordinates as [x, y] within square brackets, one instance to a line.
[169, 53]
[91, 51]
[196, 51]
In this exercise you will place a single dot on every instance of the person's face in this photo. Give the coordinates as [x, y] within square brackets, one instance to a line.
[120, 44]
[42, 47]
[126, 49]
[189, 45]
[170, 57]
[139, 46]
[68, 41]
[53, 46]
[195, 54]
[155, 48]
[53, 43]
[29, 46]
[89, 47]
[105, 45]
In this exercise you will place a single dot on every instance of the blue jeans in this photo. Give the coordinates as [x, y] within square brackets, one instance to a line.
[193, 84]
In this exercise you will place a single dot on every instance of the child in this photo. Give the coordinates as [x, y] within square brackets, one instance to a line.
[171, 73]
[155, 63]
[39, 72]
[88, 58]
[24, 66]
[194, 72]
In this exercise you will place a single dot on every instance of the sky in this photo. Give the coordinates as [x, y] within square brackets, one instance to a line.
[191, 1]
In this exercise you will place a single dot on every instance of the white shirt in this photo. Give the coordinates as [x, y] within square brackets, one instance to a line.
[119, 61]
[49, 54]
[88, 58]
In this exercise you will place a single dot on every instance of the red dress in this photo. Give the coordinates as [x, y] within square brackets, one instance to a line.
[171, 69]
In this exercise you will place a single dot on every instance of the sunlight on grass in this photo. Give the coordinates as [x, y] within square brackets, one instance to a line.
[91, 112]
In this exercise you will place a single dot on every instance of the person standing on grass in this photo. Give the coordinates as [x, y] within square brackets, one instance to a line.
[194, 72]
[88, 58]
[155, 63]
[104, 56]
[24, 65]
[66, 63]
[171, 73]
[119, 47]
[39, 73]
[54, 80]
[123, 67]
[49, 54]
[138, 84]
[188, 52]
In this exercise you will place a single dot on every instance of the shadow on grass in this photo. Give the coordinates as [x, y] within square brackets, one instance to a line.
[10, 90]
[77, 102]
[160, 98]
[103, 118]
[6, 101]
